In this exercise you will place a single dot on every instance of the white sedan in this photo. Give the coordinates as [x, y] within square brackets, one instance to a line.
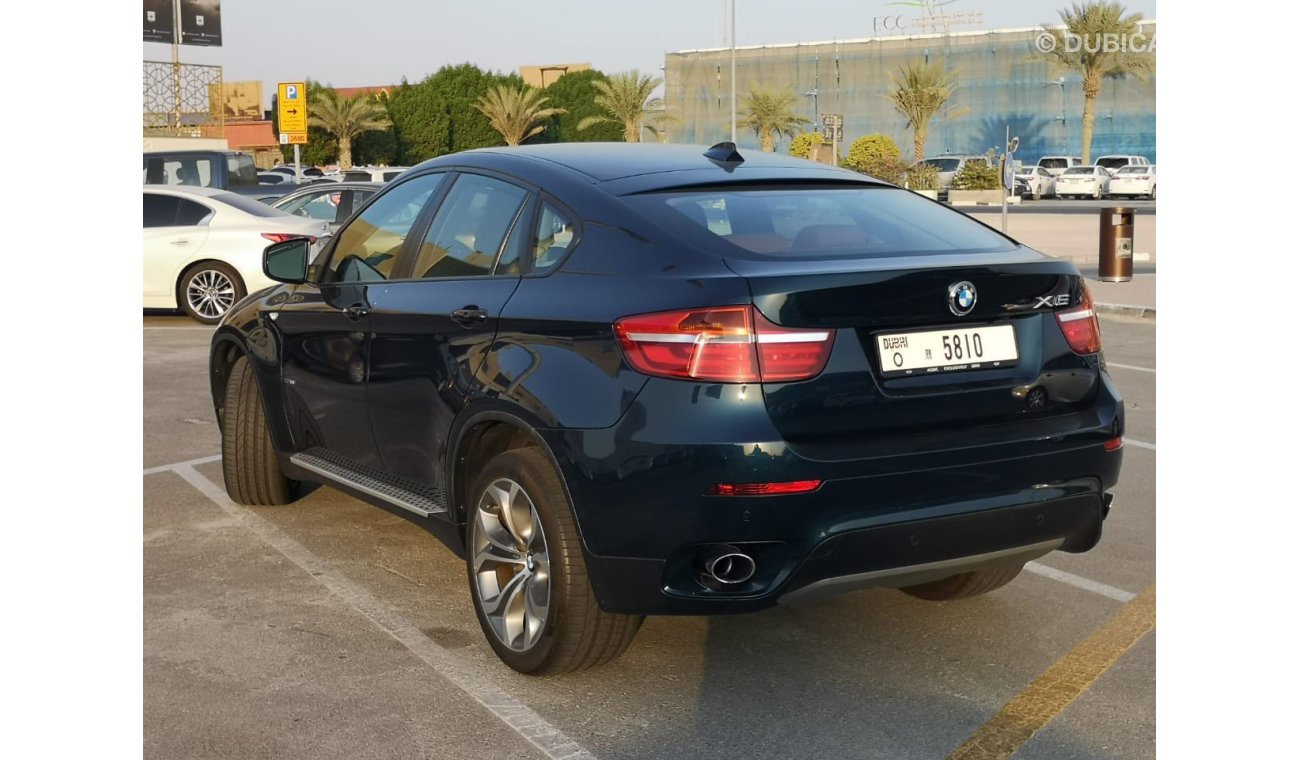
[203, 247]
[1083, 182]
[1039, 181]
[1135, 181]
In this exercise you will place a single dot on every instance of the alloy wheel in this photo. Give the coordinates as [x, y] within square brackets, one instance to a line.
[210, 293]
[511, 565]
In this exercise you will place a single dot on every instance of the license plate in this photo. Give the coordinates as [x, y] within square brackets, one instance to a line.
[956, 349]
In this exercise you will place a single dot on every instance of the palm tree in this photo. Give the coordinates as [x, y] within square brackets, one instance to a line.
[920, 92]
[515, 112]
[771, 114]
[1090, 26]
[626, 98]
[345, 118]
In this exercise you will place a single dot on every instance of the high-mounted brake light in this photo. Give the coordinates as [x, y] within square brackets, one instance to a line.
[1080, 326]
[729, 344]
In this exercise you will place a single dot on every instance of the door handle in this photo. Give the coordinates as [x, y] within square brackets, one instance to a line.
[356, 311]
[469, 316]
[181, 242]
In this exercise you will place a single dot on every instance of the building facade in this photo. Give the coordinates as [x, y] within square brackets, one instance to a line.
[999, 84]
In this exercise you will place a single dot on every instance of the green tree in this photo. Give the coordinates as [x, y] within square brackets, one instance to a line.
[345, 118]
[977, 175]
[771, 115]
[1089, 24]
[517, 113]
[876, 155]
[437, 115]
[801, 146]
[920, 92]
[625, 99]
[576, 93]
[378, 147]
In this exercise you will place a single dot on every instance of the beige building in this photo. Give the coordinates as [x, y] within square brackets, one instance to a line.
[541, 76]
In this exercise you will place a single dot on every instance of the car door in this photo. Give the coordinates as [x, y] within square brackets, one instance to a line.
[175, 231]
[325, 324]
[433, 328]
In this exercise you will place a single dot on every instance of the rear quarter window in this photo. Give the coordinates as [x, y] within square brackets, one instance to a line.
[818, 222]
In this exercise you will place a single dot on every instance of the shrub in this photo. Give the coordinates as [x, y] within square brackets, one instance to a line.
[977, 175]
[801, 146]
[876, 155]
[922, 177]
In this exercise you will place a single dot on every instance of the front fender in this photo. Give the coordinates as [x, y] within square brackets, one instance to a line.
[248, 329]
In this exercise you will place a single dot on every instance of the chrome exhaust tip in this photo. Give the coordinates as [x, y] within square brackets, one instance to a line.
[724, 565]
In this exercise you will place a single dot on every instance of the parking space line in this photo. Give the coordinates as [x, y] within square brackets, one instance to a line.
[187, 463]
[1119, 595]
[1139, 444]
[1130, 366]
[507, 708]
[1065, 681]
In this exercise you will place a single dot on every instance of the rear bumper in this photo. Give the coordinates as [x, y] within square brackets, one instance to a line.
[885, 505]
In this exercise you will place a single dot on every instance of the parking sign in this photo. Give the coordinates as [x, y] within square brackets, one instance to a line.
[292, 108]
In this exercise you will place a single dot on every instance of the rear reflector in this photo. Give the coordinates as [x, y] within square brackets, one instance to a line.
[1114, 444]
[1080, 326]
[730, 344]
[763, 489]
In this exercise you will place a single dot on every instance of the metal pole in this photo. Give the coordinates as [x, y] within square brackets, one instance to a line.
[297, 165]
[733, 71]
[176, 65]
[1006, 158]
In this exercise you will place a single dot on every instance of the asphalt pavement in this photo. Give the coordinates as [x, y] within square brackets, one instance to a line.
[331, 629]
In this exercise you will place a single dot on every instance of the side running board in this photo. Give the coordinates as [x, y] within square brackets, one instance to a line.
[413, 496]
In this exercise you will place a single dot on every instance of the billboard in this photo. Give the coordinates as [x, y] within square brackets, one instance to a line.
[160, 21]
[241, 101]
[201, 22]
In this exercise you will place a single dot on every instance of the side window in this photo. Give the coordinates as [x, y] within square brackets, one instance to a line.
[190, 213]
[242, 171]
[472, 223]
[367, 247]
[160, 210]
[554, 238]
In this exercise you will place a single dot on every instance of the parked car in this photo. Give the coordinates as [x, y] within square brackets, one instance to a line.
[371, 173]
[1134, 181]
[1113, 163]
[631, 379]
[1056, 165]
[948, 167]
[274, 178]
[203, 247]
[220, 169]
[1083, 182]
[1038, 182]
[330, 202]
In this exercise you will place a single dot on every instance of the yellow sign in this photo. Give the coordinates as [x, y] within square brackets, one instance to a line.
[293, 108]
[296, 138]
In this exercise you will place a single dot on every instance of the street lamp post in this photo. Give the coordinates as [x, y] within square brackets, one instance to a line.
[732, 7]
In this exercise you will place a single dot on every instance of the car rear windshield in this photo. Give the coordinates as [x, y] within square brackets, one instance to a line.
[1080, 170]
[1113, 163]
[1054, 163]
[1133, 170]
[248, 205]
[943, 164]
[818, 222]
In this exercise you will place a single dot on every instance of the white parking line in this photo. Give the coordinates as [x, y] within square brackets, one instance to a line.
[1130, 366]
[509, 709]
[1139, 444]
[187, 463]
[1110, 592]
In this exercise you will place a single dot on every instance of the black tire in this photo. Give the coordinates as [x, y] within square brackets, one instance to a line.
[965, 585]
[576, 634]
[208, 289]
[248, 459]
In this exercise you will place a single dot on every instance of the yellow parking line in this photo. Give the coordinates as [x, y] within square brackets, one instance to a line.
[1061, 684]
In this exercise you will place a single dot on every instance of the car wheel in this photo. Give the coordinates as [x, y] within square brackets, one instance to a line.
[965, 584]
[1153, 192]
[208, 289]
[527, 574]
[1038, 195]
[1096, 194]
[248, 459]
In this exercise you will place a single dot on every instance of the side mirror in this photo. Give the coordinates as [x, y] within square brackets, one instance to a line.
[287, 262]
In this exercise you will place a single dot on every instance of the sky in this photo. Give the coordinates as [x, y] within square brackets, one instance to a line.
[351, 43]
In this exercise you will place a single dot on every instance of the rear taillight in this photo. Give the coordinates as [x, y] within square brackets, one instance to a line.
[730, 344]
[1080, 326]
[763, 489]
[280, 237]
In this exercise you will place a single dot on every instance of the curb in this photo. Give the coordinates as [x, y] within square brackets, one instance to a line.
[1142, 312]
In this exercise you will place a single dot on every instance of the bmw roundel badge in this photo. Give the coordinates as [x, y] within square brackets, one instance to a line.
[961, 298]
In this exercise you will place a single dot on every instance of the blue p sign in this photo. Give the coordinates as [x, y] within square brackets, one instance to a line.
[291, 92]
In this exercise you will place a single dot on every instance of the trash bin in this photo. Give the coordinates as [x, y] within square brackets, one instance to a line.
[1115, 254]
